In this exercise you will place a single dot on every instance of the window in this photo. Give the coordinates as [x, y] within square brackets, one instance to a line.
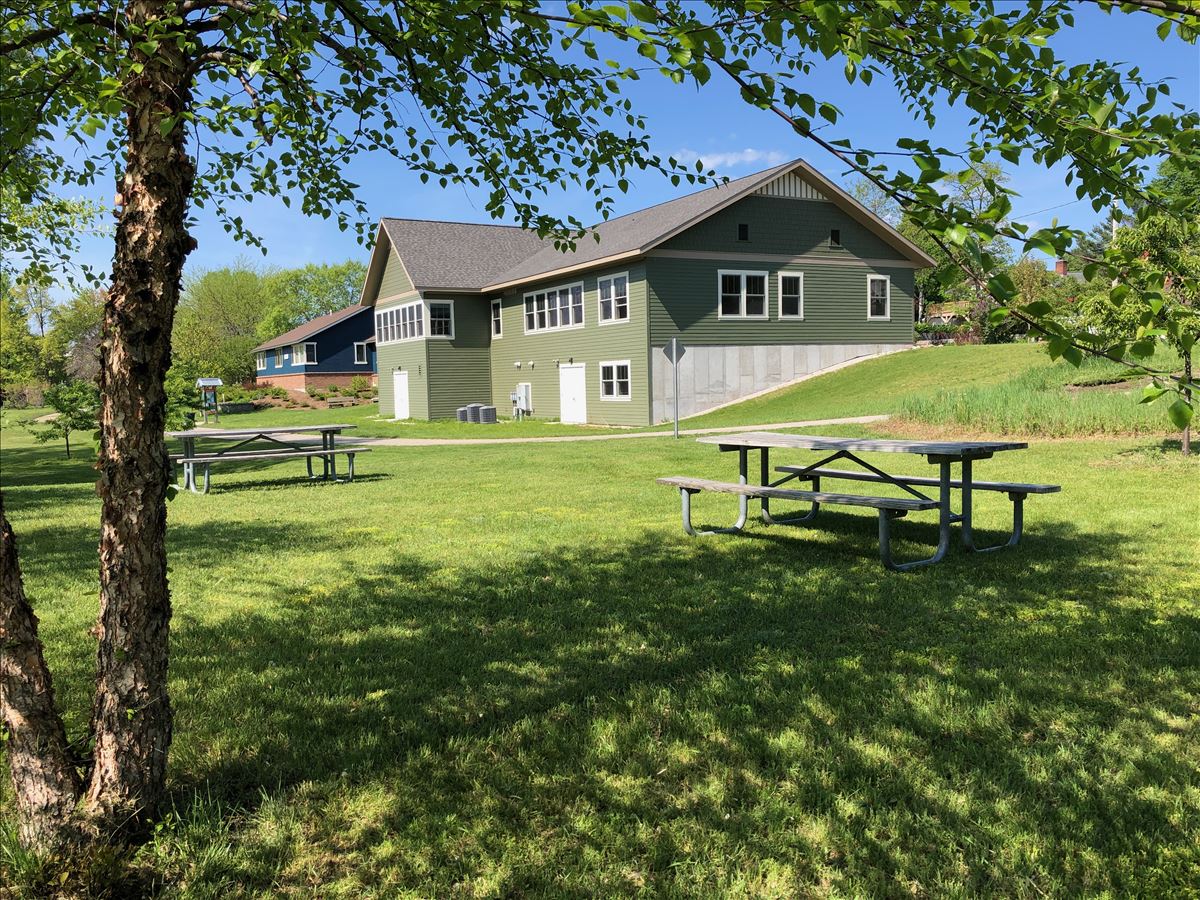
[278, 357]
[835, 237]
[791, 296]
[743, 232]
[879, 297]
[743, 295]
[613, 295]
[360, 353]
[400, 323]
[304, 354]
[556, 308]
[614, 380]
[497, 322]
[260, 361]
[441, 319]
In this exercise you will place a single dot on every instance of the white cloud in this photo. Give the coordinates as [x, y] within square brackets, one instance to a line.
[732, 159]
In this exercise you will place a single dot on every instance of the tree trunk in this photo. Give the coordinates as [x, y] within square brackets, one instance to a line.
[44, 777]
[131, 716]
[1186, 440]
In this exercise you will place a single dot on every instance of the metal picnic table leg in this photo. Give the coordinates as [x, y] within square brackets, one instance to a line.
[189, 469]
[765, 479]
[685, 503]
[968, 532]
[946, 517]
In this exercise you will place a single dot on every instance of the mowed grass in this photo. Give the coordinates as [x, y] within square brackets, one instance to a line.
[503, 670]
[367, 422]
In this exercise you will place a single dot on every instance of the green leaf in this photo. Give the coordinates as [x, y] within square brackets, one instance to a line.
[1180, 413]
[91, 126]
[1101, 111]
[1002, 286]
[1151, 392]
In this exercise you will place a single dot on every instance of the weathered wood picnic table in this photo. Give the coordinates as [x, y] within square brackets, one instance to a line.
[284, 446]
[941, 453]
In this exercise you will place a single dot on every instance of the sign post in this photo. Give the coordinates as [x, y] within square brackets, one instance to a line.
[674, 351]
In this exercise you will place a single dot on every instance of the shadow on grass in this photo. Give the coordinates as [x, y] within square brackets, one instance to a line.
[654, 700]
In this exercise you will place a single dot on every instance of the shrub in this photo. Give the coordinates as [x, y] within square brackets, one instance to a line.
[360, 384]
[332, 389]
[312, 391]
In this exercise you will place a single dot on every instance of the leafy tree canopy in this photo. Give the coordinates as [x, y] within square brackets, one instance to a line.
[296, 296]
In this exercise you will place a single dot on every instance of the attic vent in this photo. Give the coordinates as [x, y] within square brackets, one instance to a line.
[743, 232]
[835, 237]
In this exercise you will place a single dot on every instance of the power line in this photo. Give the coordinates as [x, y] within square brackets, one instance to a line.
[1048, 208]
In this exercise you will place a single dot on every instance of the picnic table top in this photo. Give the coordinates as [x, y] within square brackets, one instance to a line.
[252, 432]
[775, 440]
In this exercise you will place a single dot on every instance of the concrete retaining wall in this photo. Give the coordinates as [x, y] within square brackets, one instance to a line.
[712, 375]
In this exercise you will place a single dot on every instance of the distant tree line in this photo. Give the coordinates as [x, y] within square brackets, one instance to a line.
[223, 314]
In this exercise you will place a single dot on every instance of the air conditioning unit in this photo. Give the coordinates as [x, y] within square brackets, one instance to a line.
[522, 399]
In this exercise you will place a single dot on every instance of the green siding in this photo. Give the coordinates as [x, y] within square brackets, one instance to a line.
[412, 356]
[590, 345]
[460, 369]
[395, 280]
[779, 225]
[683, 303]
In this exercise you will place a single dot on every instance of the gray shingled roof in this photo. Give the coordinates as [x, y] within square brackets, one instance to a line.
[636, 230]
[462, 256]
[458, 254]
[309, 328]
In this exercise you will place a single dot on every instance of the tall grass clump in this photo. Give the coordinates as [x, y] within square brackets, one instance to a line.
[1046, 401]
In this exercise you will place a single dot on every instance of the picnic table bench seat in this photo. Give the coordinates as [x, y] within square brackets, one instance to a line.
[1008, 487]
[695, 485]
[335, 402]
[206, 460]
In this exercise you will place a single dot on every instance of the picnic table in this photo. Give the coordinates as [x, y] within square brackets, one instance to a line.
[283, 445]
[943, 454]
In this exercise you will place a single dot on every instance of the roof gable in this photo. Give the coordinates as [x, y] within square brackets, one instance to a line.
[311, 328]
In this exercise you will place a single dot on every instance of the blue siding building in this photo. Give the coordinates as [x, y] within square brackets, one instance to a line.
[331, 349]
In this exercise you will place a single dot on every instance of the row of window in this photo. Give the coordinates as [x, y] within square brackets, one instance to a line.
[743, 295]
[414, 320]
[304, 355]
[562, 307]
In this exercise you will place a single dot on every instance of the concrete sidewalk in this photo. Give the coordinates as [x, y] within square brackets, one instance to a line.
[455, 442]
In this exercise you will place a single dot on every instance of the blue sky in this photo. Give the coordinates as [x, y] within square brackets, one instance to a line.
[713, 124]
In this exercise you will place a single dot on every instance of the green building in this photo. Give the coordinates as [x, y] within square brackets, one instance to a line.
[764, 280]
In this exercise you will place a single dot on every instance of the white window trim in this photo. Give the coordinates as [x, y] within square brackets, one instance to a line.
[779, 285]
[766, 277]
[310, 359]
[260, 361]
[366, 356]
[555, 288]
[616, 398]
[279, 357]
[397, 307]
[429, 320]
[628, 306]
[493, 319]
[887, 316]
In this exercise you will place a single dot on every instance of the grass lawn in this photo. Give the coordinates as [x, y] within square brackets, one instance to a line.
[504, 670]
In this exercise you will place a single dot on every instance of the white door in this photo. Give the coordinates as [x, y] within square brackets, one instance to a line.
[400, 393]
[572, 394]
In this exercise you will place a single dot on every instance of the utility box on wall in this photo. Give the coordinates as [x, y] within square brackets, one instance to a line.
[522, 399]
